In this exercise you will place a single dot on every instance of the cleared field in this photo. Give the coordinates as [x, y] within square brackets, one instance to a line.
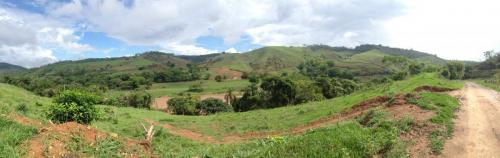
[174, 88]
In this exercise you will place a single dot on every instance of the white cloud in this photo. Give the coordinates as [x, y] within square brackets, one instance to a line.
[231, 50]
[26, 55]
[187, 49]
[29, 39]
[282, 22]
[453, 29]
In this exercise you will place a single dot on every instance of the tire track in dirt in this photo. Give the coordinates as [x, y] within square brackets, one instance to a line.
[477, 130]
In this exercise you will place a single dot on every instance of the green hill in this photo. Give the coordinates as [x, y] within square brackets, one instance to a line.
[142, 70]
[215, 135]
[363, 60]
[10, 67]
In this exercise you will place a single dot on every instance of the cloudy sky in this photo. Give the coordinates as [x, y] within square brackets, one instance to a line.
[38, 32]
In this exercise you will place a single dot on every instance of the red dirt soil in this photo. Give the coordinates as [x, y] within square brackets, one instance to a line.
[229, 73]
[52, 139]
[432, 89]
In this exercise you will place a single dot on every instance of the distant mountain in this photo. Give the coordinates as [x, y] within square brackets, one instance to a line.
[10, 67]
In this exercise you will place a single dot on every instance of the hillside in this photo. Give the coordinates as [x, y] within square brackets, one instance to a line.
[10, 67]
[142, 70]
[314, 127]
[279, 58]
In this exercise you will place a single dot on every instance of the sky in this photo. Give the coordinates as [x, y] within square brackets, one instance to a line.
[39, 32]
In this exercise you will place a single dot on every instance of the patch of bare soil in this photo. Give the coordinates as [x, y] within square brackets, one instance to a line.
[477, 131]
[52, 139]
[161, 103]
[418, 139]
[229, 73]
[25, 121]
[432, 89]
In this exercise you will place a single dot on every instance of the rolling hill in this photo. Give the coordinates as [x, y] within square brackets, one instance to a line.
[362, 60]
[141, 70]
[10, 67]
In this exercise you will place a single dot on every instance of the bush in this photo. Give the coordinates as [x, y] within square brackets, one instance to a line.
[22, 108]
[212, 105]
[184, 105]
[197, 87]
[137, 99]
[399, 75]
[73, 105]
[456, 70]
[219, 78]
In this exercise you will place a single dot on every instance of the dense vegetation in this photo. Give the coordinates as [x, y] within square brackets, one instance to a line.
[100, 75]
[73, 105]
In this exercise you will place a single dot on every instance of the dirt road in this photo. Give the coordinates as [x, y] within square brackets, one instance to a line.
[477, 128]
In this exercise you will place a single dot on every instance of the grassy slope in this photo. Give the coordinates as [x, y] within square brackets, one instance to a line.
[365, 62]
[488, 84]
[271, 119]
[339, 140]
[111, 66]
[12, 135]
[174, 88]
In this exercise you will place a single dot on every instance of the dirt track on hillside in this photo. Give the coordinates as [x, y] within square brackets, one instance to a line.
[477, 127]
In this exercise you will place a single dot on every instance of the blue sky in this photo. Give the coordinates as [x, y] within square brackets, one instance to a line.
[39, 32]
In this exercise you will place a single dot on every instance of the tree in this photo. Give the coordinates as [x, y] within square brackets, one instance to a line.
[488, 54]
[253, 98]
[416, 68]
[212, 106]
[456, 70]
[137, 99]
[280, 90]
[218, 78]
[305, 91]
[230, 97]
[183, 105]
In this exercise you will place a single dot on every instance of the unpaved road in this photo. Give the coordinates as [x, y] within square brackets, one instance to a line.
[477, 128]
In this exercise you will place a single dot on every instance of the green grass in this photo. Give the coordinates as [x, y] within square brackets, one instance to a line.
[12, 135]
[175, 88]
[102, 148]
[267, 119]
[445, 106]
[339, 140]
[12, 98]
[491, 85]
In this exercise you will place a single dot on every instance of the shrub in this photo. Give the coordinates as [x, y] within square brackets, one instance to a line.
[73, 105]
[305, 91]
[212, 105]
[219, 78]
[183, 105]
[456, 70]
[137, 99]
[22, 108]
[197, 87]
[445, 73]
[399, 75]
